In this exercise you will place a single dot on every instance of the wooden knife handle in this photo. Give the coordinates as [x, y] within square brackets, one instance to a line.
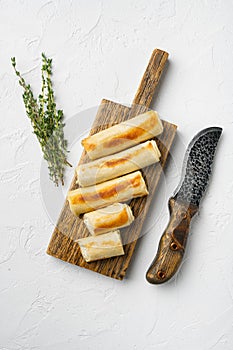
[172, 243]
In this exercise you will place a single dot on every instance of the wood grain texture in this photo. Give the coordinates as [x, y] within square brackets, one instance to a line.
[172, 243]
[69, 228]
[151, 78]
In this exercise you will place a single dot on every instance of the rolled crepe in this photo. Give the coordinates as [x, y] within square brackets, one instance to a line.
[101, 247]
[124, 135]
[85, 199]
[103, 220]
[121, 163]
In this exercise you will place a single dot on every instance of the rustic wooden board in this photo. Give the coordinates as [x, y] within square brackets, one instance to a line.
[69, 228]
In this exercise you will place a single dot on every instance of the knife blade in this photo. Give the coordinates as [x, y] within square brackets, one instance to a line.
[184, 204]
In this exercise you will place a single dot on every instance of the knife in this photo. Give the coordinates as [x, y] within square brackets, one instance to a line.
[184, 204]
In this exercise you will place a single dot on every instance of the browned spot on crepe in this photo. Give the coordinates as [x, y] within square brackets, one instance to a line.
[113, 163]
[88, 146]
[133, 133]
[106, 193]
[119, 220]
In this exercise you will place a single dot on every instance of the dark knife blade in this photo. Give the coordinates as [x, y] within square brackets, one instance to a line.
[184, 204]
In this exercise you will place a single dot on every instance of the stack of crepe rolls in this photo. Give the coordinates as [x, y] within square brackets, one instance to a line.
[102, 186]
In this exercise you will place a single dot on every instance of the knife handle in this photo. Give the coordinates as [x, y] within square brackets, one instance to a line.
[172, 243]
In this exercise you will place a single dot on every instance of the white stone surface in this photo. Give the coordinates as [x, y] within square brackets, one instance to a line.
[100, 49]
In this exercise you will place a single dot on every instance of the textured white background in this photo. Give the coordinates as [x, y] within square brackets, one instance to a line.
[100, 49]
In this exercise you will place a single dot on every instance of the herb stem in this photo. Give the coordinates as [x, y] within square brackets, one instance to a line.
[46, 120]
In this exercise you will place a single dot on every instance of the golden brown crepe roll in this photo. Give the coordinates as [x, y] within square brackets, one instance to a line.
[103, 220]
[124, 135]
[121, 189]
[101, 247]
[121, 163]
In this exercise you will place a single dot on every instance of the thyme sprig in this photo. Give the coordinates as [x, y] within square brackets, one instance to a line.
[46, 120]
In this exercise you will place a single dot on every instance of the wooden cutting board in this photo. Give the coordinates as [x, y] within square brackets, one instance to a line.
[69, 228]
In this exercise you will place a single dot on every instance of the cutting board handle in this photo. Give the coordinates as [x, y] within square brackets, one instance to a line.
[150, 78]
